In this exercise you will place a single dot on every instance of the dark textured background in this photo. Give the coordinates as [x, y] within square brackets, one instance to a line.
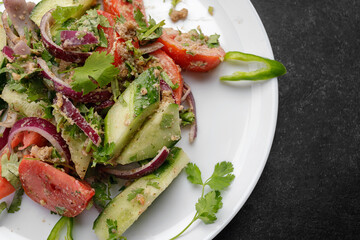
[310, 187]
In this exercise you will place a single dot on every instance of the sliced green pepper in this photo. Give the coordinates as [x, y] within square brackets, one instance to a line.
[271, 69]
[55, 232]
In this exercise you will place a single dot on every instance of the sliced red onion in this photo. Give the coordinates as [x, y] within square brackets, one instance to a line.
[8, 53]
[4, 138]
[165, 87]
[149, 48]
[105, 104]
[53, 48]
[69, 110]
[140, 171]
[20, 16]
[191, 101]
[21, 48]
[9, 32]
[64, 88]
[30, 6]
[77, 38]
[45, 129]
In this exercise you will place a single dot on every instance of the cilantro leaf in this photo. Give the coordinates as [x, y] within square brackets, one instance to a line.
[97, 68]
[62, 14]
[194, 174]
[10, 169]
[187, 117]
[134, 192]
[220, 183]
[102, 193]
[3, 206]
[153, 184]
[222, 177]
[147, 33]
[103, 154]
[113, 230]
[16, 202]
[208, 206]
[213, 41]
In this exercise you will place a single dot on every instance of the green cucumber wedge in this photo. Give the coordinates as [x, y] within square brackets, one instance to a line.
[76, 144]
[162, 129]
[140, 99]
[19, 103]
[45, 5]
[125, 211]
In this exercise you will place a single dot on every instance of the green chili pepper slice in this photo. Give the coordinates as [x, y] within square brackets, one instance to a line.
[271, 69]
[55, 232]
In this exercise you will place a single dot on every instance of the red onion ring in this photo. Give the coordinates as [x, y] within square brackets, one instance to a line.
[21, 48]
[71, 38]
[56, 50]
[9, 32]
[149, 48]
[103, 105]
[8, 53]
[191, 101]
[69, 110]
[45, 129]
[64, 88]
[20, 16]
[140, 171]
[165, 87]
[4, 138]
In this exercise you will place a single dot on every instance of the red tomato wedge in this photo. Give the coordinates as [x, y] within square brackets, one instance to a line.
[28, 138]
[124, 8]
[173, 71]
[54, 189]
[5, 187]
[197, 58]
[112, 38]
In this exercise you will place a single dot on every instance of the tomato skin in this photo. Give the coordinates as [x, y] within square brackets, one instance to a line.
[5, 187]
[53, 188]
[173, 71]
[112, 37]
[124, 8]
[202, 60]
[28, 138]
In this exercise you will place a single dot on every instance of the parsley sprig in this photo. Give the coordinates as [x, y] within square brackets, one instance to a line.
[209, 204]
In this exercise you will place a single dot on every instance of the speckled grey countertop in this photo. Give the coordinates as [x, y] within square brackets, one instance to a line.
[310, 187]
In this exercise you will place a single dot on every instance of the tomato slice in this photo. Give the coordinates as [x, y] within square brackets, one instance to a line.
[112, 38]
[28, 138]
[124, 8]
[173, 71]
[5, 187]
[192, 57]
[54, 189]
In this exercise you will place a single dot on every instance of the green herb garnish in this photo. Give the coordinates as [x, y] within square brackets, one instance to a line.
[98, 67]
[209, 204]
[113, 230]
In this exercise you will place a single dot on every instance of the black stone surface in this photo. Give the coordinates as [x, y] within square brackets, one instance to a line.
[310, 187]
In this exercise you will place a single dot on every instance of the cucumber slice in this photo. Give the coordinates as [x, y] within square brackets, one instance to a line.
[19, 103]
[125, 117]
[162, 129]
[45, 5]
[76, 145]
[126, 212]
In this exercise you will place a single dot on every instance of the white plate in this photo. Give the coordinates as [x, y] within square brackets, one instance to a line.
[236, 123]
